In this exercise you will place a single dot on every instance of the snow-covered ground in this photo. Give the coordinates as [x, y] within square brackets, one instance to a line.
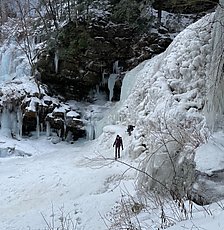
[77, 178]
[84, 181]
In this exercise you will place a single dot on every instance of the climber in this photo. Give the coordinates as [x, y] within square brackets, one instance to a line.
[118, 143]
[130, 129]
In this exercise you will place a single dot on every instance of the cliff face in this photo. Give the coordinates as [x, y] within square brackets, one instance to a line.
[72, 60]
[84, 52]
[87, 52]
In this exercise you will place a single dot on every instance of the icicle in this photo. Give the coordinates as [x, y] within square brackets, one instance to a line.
[14, 122]
[116, 68]
[104, 81]
[41, 127]
[90, 131]
[48, 129]
[69, 136]
[56, 61]
[6, 123]
[111, 83]
[97, 90]
[19, 123]
[65, 126]
[38, 126]
[59, 133]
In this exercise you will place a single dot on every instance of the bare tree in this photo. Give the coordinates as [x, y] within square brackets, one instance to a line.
[26, 32]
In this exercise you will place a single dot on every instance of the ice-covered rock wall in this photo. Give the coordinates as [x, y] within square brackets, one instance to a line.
[25, 107]
[215, 100]
[166, 106]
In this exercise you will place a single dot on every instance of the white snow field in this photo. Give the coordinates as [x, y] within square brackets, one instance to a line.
[76, 178]
[84, 181]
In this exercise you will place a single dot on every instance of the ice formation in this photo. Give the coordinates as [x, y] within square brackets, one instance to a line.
[24, 102]
[164, 99]
[13, 69]
[56, 61]
[113, 78]
[215, 102]
[111, 83]
[12, 63]
[90, 130]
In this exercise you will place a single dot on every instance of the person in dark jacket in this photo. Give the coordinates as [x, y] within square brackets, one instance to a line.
[130, 129]
[118, 143]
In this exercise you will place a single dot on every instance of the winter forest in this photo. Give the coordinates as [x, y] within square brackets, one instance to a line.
[74, 74]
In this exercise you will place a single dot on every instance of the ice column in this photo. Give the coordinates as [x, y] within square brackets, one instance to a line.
[116, 68]
[90, 131]
[6, 123]
[20, 122]
[112, 79]
[5, 64]
[56, 61]
[111, 83]
[38, 126]
[48, 129]
[90, 127]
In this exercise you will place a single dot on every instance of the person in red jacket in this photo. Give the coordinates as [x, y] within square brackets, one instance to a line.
[118, 143]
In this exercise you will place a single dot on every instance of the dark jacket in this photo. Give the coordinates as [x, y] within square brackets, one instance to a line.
[118, 142]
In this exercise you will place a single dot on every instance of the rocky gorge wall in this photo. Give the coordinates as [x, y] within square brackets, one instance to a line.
[78, 59]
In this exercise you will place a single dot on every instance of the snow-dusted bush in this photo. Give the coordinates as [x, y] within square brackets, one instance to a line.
[124, 215]
[147, 211]
[60, 220]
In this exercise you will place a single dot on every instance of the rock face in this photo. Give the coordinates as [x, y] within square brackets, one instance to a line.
[86, 52]
[208, 188]
[31, 115]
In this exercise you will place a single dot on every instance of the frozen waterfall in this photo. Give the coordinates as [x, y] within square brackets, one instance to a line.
[113, 78]
[13, 67]
[13, 64]
[7, 67]
[11, 123]
[90, 130]
[111, 83]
